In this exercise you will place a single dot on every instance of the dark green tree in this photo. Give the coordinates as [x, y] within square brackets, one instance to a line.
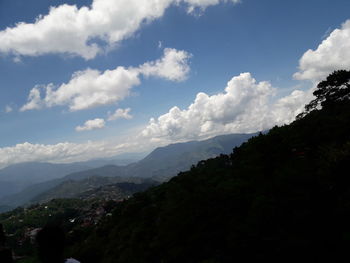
[334, 89]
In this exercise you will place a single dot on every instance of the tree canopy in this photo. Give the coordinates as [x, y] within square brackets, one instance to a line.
[335, 88]
[283, 196]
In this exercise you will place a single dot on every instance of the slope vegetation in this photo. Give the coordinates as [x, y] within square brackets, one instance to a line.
[281, 197]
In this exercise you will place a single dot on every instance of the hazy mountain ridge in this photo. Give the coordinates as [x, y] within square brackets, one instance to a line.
[17, 177]
[25, 174]
[168, 161]
[92, 185]
[160, 164]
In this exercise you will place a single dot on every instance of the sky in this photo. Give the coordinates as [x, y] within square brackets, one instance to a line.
[86, 79]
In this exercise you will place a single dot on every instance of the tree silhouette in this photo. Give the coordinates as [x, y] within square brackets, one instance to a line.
[334, 89]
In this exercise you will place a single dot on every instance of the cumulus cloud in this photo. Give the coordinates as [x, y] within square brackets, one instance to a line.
[71, 30]
[173, 66]
[287, 108]
[34, 100]
[244, 106]
[86, 89]
[26, 152]
[91, 125]
[66, 152]
[90, 88]
[120, 114]
[332, 54]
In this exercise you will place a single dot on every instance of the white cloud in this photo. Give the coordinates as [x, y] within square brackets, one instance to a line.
[120, 114]
[173, 65]
[90, 88]
[8, 109]
[70, 30]
[332, 54]
[244, 106]
[203, 4]
[61, 152]
[91, 125]
[86, 89]
[27, 152]
[67, 152]
[287, 108]
[326, 34]
[17, 59]
[34, 100]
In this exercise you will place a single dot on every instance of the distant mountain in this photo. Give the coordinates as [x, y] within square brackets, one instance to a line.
[166, 162]
[38, 172]
[117, 191]
[107, 171]
[161, 164]
[5, 208]
[120, 159]
[7, 188]
[28, 193]
[17, 177]
[96, 186]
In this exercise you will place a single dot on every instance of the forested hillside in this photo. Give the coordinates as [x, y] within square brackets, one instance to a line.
[282, 197]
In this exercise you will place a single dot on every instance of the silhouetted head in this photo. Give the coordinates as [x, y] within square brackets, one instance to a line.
[50, 241]
[6, 255]
[2, 236]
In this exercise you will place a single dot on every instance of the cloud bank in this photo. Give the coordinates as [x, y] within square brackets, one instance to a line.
[244, 106]
[332, 54]
[67, 29]
[67, 152]
[60, 153]
[172, 66]
[91, 88]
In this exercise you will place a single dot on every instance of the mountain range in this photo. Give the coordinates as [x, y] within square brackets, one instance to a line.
[17, 177]
[96, 187]
[160, 165]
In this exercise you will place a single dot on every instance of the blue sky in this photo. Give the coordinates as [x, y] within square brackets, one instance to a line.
[183, 62]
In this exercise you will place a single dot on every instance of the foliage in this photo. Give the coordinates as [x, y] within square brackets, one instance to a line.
[335, 89]
[96, 186]
[19, 222]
